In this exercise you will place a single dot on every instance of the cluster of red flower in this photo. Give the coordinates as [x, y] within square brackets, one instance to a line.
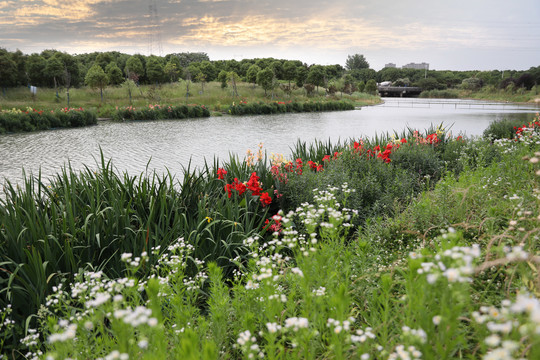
[252, 185]
[531, 125]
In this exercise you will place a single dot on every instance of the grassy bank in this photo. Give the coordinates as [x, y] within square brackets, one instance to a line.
[488, 93]
[417, 245]
[212, 96]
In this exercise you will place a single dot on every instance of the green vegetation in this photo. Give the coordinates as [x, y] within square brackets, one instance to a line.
[418, 245]
[281, 107]
[16, 120]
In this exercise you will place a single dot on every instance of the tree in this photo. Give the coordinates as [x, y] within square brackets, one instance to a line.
[223, 77]
[301, 75]
[356, 62]
[114, 73]
[251, 75]
[8, 71]
[371, 87]
[316, 76]
[130, 86]
[265, 79]
[96, 78]
[35, 70]
[54, 69]
[154, 69]
[289, 71]
[209, 70]
[172, 70]
[134, 68]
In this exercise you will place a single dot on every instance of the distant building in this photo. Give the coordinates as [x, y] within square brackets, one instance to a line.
[421, 66]
[390, 65]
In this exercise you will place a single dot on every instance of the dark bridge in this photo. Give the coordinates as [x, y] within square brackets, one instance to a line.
[399, 91]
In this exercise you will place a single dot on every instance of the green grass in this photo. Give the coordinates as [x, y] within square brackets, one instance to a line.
[213, 97]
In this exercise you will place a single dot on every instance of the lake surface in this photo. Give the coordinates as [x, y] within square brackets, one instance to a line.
[171, 144]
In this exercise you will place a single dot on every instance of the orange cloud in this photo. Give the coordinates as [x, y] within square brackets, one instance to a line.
[329, 32]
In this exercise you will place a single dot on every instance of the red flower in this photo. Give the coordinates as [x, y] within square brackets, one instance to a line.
[312, 165]
[265, 199]
[253, 184]
[377, 148]
[326, 158]
[299, 166]
[221, 173]
[240, 187]
[403, 141]
[228, 188]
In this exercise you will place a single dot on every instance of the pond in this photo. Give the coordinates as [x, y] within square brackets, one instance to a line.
[173, 144]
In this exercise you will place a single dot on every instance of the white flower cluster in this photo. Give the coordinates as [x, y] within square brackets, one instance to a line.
[516, 253]
[248, 344]
[522, 315]
[321, 291]
[273, 327]
[505, 352]
[361, 335]
[420, 334]
[296, 323]
[456, 264]
[339, 326]
[402, 353]
[133, 261]
[69, 333]
[138, 316]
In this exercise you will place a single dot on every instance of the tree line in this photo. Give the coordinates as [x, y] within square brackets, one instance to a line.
[52, 68]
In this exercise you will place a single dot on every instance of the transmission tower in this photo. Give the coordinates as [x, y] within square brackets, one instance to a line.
[154, 30]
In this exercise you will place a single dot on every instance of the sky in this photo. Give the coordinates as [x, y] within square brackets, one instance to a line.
[447, 34]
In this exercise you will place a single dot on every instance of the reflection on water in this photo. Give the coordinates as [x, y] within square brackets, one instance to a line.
[172, 144]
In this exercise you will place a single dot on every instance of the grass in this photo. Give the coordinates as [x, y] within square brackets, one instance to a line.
[367, 259]
[213, 97]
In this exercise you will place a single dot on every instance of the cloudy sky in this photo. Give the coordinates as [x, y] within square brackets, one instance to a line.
[447, 34]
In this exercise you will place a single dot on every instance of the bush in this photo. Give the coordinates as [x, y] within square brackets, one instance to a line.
[159, 112]
[502, 129]
[13, 121]
[281, 107]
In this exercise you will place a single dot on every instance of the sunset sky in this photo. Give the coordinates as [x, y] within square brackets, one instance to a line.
[454, 35]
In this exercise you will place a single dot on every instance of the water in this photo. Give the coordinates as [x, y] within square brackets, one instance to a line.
[172, 144]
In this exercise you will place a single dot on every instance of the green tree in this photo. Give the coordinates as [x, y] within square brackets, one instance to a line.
[429, 83]
[154, 69]
[114, 73]
[316, 76]
[356, 62]
[301, 75]
[223, 77]
[209, 70]
[371, 87]
[104, 59]
[130, 86]
[35, 70]
[134, 68]
[172, 70]
[8, 72]
[289, 71]
[265, 79]
[96, 78]
[251, 75]
[277, 67]
[54, 69]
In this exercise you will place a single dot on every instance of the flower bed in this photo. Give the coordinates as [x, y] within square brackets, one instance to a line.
[280, 107]
[160, 112]
[16, 120]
